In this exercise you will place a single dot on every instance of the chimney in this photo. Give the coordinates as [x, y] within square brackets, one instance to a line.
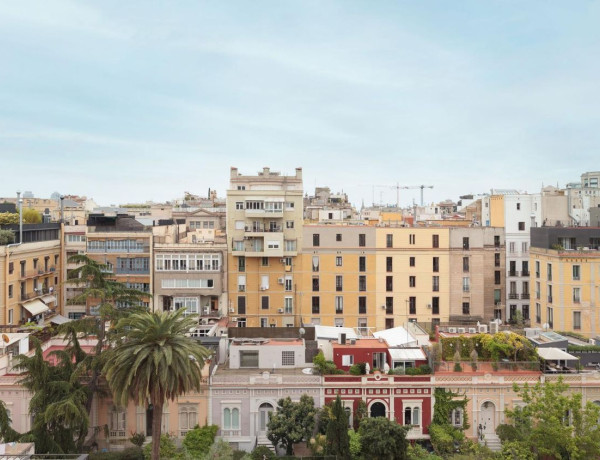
[233, 172]
[266, 170]
[298, 173]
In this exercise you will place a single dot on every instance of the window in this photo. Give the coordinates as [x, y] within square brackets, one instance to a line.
[389, 306]
[189, 304]
[466, 308]
[264, 302]
[497, 296]
[188, 418]
[435, 305]
[436, 264]
[550, 293]
[241, 305]
[315, 284]
[288, 305]
[338, 237]
[412, 416]
[339, 283]
[497, 241]
[10, 316]
[265, 261]
[466, 242]
[338, 261]
[465, 264]
[362, 283]
[288, 284]
[187, 283]
[241, 264]
[525, 268]
[497, 279]
[388, 264]
[576, 272]
[389, 283]
[347, 360]
[538, 313]
[466, 284]
[435, 241]
[497, 259]
[435, 283]
[289, 224]
[549, 266]
[239, 205]
[412, 281]
[411, 238]
[316, 305]
[362, 264]
[316, 239]
[521, 226]
[11, 268]
[411, 261]
[518, 206]
[576, 320]
[524, 247]
[264, 282]
[315, 263]
[231, 418]
[537, 268]
[389, 240]
[264, 322]
[362, 240]
[576, 295]
[412, 305]
[362, 305]
[23, 268]
[248, 358]
[10, 291]
[550, 317]
[117, 422]
[525, 311]
[288, 358]
[457, 417]
[241, 283]
[339, 304]
[338, 322]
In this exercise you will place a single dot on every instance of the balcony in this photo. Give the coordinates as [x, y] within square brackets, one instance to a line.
[525, 295]
[36, 293]
[262, 229]
[513, 295]
[38, 272]
[576, 300]
[513, 273]
[525, 273]
[549, 299]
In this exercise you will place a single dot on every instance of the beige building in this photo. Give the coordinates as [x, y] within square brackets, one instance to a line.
[477, 273]
[264, 237]
[30, 275]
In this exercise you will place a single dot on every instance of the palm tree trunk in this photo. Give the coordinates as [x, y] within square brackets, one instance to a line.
[157, 410]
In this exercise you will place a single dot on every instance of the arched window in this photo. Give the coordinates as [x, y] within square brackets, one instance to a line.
[412, 415]
[235, 419]
[188, 418]
[227, 419]
[408, 416]
[416, 416]
[378, 410]
[118, 422]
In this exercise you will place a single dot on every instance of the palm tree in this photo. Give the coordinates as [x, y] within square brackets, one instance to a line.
[156, 361]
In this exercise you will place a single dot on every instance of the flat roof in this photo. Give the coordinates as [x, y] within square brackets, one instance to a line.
[363, 343]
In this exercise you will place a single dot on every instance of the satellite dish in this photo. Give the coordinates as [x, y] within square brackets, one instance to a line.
[302, 332]
[5, 338]
[545, 326]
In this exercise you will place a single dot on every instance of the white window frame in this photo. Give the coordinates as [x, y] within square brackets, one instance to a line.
[347, 360]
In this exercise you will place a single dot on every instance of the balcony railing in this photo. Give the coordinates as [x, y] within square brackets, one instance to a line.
[513, 273]
[38, 272]
[277, 229]
[525, 295]
[549, 299]
[513, 295]
[32, 295]
[525, 273]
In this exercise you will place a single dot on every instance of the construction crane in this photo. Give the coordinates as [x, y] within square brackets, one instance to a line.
[405, 187]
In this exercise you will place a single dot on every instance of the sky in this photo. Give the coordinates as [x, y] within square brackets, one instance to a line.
[143, 100]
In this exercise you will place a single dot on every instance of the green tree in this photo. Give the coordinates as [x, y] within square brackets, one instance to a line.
[338, 443]
[418, 452]
[198, 441]
[262, 453]
[361, 413]
[7, 434]
[552, 423]
[167, 448]
[220, 450]
[292, 422]
[31, 216]
[6, 237]
[9, 218]
[155, 362]
[383, 439]
[355, 444]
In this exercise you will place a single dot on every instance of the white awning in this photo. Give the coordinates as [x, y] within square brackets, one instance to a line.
[48, 298]
[35, 307]
[396, 337]
[59, 319]
[555, 354]
[407, 354]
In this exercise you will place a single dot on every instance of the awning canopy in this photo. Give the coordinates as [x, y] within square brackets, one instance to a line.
[48, 298]
[555, 354]
[59, 319]
[407, 354]
[35, 307]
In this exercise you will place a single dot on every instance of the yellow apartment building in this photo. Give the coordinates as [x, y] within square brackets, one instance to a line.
[338, 277]
[30, 275]
[566, 276]
[413, 275]
[264, 237]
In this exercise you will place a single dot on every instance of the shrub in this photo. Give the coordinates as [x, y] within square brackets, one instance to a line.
[425, 369]
[325, 367]
[167, 448]
[457, 367]
[355, 369]
[262, 453]
[198, 441]
[137, 439]
[414, 371]
[397, 371]
[131, 453]
[507, 432]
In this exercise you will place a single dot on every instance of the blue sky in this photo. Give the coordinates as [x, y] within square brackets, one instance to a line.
[139, 100]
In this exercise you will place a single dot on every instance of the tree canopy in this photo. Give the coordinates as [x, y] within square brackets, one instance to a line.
[337, 442]
[383, 439]
[293, 422]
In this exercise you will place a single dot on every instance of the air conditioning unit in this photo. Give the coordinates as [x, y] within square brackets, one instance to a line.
[280, 310]
[482, 328]
[461, 330]
[231, 310]
[493, 327]
[429, 306]
[206, 310]
[263, 288]
[81, 253]
[452, 330]
[204, 321]
[280, 280]
[282, 261]
[234, 319]
[472, 330]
